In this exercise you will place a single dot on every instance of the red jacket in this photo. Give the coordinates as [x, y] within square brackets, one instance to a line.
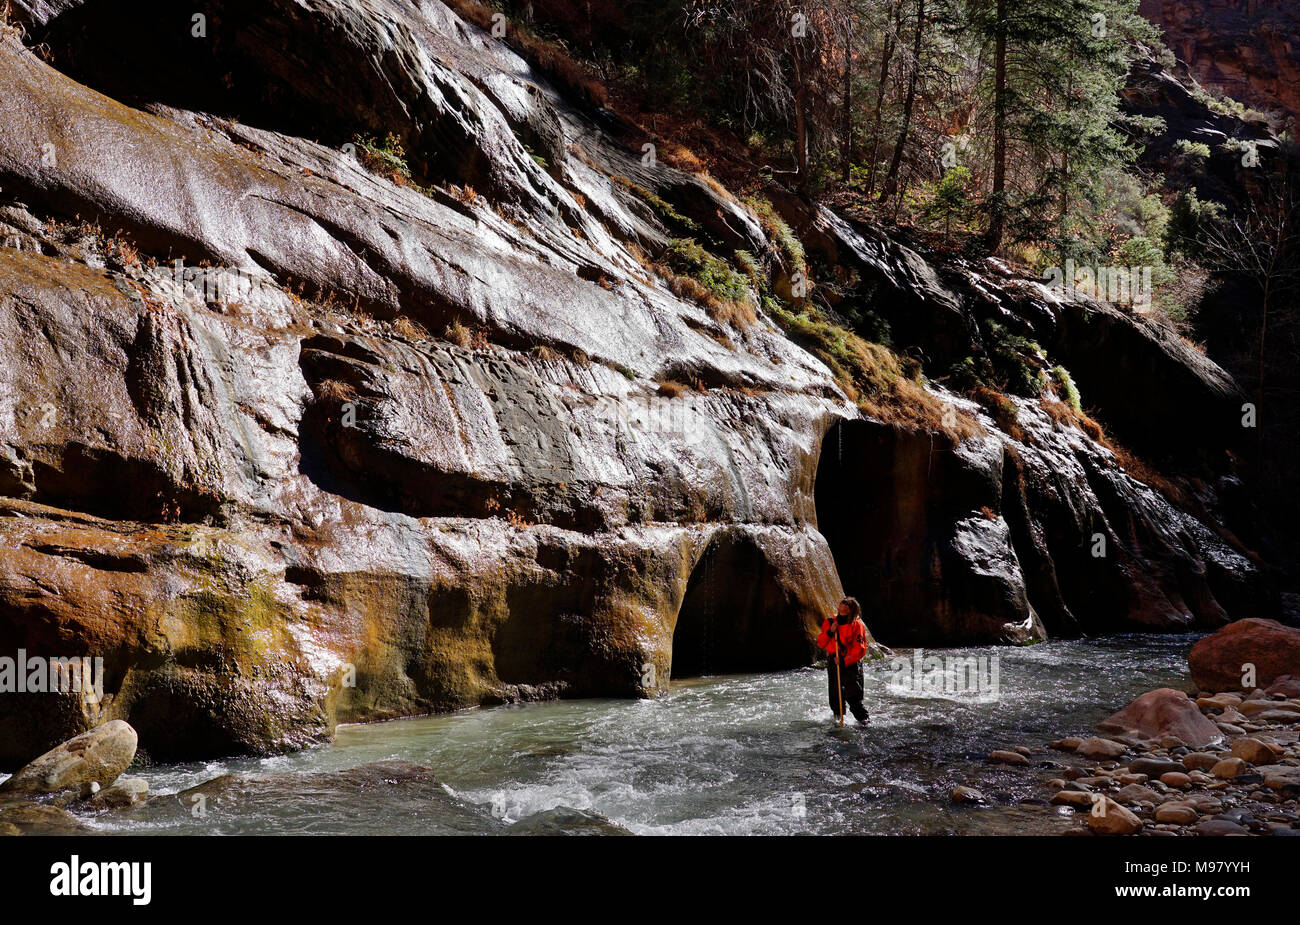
[852, 636]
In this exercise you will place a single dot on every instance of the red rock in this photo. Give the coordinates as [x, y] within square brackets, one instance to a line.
[1217, 660]
[1287, 685]
[1163, 712]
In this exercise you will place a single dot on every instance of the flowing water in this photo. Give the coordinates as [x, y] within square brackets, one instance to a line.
[725, 755]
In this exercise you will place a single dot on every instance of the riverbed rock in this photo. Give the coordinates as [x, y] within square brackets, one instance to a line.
[1155, 767]
[1255, 752]
[1220, 827]
[1008, 757]
[99, 756]
[1079, 799]
[1229, 768]
[1163, 712]
[1175, 779]
[1113, 819]
[565, 820]
[1253, 708]
[1100, 748]
[1200, 761]
[1283, 779]
[962, 795]
[1176, 813]
[1285, 686]
[126, 791]
[1136, 793]
[1068, 744]
[40, 819]
[1218, 661]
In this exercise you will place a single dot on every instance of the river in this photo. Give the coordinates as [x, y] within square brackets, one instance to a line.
[744, 754]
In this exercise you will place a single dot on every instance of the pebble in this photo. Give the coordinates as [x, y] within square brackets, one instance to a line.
[1200, 761]
[1136, 793]
[1176, 813]
[1076, 798]
[1100, 748]
[1229, 768]
[1154, 767]
[1007, 757]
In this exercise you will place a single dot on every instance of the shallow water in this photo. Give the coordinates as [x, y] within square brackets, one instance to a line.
[747, 754]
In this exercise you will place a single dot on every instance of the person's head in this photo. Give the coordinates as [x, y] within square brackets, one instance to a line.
[850, 609]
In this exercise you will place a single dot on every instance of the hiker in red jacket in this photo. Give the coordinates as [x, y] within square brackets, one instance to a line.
[844, 639]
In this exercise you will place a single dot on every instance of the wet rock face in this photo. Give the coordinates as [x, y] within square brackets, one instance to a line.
[1153, 91]
[1244, 50]
[312, 501]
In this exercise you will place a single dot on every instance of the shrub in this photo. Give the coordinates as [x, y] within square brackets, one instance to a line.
[385, 159]
[1069, 392]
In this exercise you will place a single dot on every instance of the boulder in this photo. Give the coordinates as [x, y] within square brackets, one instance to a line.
[1219, 661]
[39, 819]
[1163, 712]
[98, 756]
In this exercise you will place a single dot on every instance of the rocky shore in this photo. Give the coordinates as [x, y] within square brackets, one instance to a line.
[1219, 762]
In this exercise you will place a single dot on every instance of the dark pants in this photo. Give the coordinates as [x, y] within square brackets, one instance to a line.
[851, 684]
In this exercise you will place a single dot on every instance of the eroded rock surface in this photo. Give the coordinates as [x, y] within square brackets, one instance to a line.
[290, 444]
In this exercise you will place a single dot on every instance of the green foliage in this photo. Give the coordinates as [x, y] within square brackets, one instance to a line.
[1194, 150]
[950, 199]
[685, 256]
[1188, 221]
[385, 158]
[780, 233]
[1068, 391]
[1016, 362]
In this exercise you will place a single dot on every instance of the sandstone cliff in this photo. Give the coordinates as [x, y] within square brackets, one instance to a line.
[289, 443]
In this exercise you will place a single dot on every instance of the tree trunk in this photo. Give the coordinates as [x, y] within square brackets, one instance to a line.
[997, 216]
[891, 178]
[886, 56]
[848, 90]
